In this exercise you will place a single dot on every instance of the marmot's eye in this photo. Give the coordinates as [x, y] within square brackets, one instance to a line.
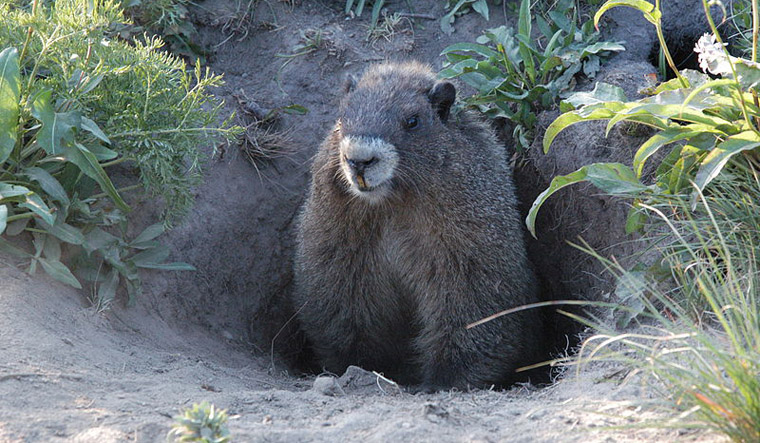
[412, 122]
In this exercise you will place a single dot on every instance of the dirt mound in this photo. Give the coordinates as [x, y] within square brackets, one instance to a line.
[69, 373]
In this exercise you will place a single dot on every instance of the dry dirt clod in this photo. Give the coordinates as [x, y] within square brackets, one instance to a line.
[327, 385]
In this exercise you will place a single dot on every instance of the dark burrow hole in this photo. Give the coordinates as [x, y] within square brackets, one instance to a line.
[683, 56]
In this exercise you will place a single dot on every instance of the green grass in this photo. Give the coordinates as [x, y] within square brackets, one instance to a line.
[699, 340]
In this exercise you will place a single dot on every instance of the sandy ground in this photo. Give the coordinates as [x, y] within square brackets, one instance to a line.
[69, 373]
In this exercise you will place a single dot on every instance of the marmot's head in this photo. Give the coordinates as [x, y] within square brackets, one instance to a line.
[390, 128]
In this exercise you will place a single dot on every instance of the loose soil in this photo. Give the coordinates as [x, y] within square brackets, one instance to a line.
[222, 334]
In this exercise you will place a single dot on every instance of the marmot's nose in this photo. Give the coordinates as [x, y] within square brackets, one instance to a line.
[359, 166]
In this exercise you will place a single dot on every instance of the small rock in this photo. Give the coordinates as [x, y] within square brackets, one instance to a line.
[327, 385]
[358, 381]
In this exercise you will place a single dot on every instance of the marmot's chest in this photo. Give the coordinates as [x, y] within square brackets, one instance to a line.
[404, 250]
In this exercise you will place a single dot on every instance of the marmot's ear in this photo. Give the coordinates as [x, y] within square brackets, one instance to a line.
[349, 83]
[442, 97]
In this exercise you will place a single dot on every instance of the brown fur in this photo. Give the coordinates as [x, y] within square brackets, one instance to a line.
[389, 284]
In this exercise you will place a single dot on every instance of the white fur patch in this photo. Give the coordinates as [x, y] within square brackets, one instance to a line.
[376, 176]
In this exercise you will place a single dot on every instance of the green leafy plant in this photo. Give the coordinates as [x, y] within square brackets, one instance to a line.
[514, 78]
[76, 106]
[707, 122]
[701, 356]
[459, 7]
[697, 304]
[201, 423]
[169, 19]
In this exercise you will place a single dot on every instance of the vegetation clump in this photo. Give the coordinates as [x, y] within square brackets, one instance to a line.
[697, 304]
[514, 77]
[201, 423]
[81, 109]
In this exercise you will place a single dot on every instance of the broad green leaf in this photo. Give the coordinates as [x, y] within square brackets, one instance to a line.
[747, 72]
[612, 178]
[650, 14]
[48, 183]
[34, 203]
[602, 46]
[603, 92]
[52, 248]
[16, 227]
[722, 153]
[107, 289]
[602, 111]
[552, 43]
[660, 139]
[92, 127]
[693, 79]
[3, 218]
[481, 7]
[9, 191]
[628, 115]
[676, 112]
[8, 248]
[88, 164]
[485, 51]
[10, 93]
[57, 127]
[150, 256]
[645, 119]
[706, 85]
[101, 152]
[524, 29]
[64, 232]
[98, 239]
[682, 171]
[635, 220]
[448, 19]
[60, 272]
[560, 20]
[545, 29]
[148, 234]
[458, 69]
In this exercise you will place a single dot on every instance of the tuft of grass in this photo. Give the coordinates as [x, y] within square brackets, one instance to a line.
[354, 8]
[201, 423]
[700, 345]
[388, 27]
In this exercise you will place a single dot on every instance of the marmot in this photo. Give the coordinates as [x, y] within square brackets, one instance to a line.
[410, 231]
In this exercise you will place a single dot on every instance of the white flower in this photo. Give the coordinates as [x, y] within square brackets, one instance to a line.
[712, 57]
